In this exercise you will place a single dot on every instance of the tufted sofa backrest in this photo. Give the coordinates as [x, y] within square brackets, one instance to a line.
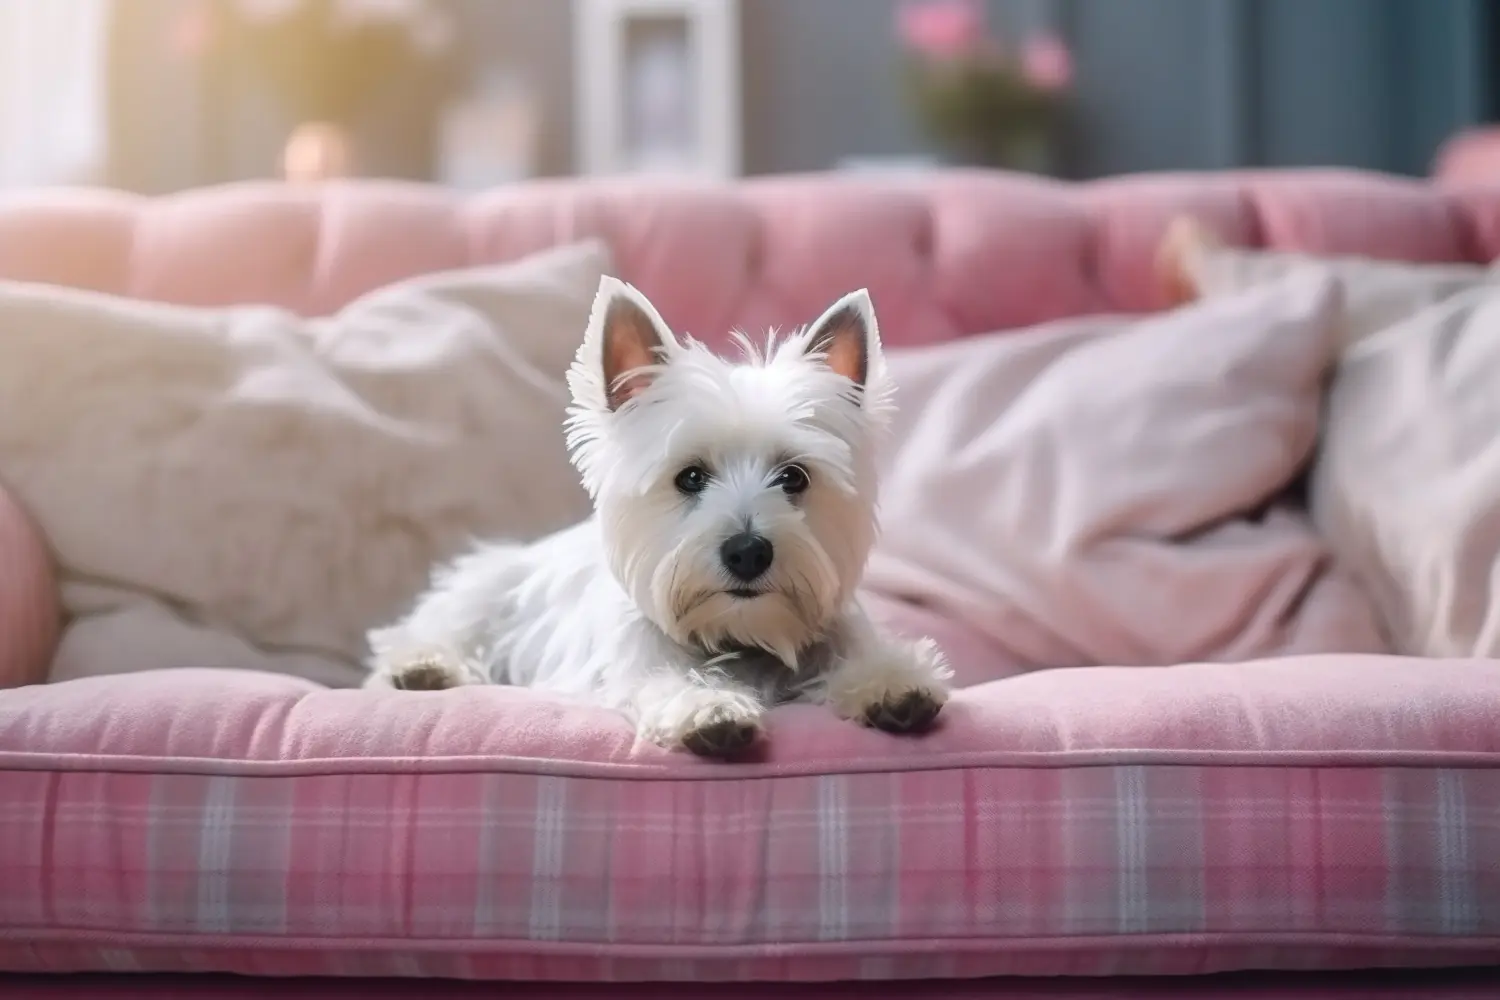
[944, 254]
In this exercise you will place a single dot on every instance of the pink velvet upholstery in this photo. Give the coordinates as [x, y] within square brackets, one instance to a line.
[1309, 812]
[956, 253]
[1471, 157]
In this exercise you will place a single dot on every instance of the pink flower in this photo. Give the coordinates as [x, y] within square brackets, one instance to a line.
[1047, 63]
[193, 34]
[942, 29]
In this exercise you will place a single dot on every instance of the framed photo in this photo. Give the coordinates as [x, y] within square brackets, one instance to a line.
[658, 86]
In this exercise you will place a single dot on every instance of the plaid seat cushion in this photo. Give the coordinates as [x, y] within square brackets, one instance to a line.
[1301, 813]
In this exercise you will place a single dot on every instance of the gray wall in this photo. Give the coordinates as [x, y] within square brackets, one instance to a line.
[1163, 84]
[1370, 82]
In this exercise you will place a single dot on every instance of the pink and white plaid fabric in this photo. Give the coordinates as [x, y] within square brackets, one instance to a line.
[258, 825]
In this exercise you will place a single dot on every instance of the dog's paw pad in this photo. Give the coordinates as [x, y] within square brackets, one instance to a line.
[723, 738]
[425, 675]
[907, 712]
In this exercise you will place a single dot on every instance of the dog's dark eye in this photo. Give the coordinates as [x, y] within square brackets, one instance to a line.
[791, 480]
[692, 480]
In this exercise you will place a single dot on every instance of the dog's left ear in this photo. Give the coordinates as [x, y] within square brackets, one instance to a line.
[846, 337]
[623, 348]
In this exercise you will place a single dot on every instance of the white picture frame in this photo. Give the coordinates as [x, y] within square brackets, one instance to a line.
[657, 87]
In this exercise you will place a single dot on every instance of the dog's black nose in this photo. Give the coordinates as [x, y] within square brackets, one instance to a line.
[747, 555]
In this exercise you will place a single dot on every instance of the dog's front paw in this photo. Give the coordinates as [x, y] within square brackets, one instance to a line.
[427, 675]
[911, 711]
[724, 737]
[421, 673]
[709, 723]
[899, 689]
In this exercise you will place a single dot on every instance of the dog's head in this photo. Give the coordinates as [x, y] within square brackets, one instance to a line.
[736, 500]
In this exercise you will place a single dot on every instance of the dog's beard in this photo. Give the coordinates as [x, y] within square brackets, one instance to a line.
[778, 622]
[792, 606]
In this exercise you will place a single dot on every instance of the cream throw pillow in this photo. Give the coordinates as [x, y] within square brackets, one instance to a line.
[1407, 484]
[245, 488]
[1108, 490]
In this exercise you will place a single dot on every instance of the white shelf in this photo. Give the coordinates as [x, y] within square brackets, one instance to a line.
[712, 80]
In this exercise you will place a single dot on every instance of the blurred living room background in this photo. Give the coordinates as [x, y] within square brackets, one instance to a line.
[162, 95]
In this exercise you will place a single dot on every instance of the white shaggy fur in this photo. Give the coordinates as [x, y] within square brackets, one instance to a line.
[635, 608]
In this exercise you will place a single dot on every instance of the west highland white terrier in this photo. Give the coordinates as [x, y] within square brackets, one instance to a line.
[734, 510]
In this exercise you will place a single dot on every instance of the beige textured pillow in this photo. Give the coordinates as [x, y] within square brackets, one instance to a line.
[245, 488]
[1407, 485]
[1375, 293]
[1106, 490]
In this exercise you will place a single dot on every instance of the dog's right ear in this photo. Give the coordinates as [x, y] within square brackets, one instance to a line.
[624, 347]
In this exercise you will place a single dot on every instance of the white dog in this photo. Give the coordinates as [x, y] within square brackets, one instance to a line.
[734, 513]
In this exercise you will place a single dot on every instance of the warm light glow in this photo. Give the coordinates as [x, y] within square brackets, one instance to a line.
[317, 152]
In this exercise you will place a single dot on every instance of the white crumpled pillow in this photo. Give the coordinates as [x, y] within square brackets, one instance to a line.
[1407, 484]
[245, 488]
[1107, 490]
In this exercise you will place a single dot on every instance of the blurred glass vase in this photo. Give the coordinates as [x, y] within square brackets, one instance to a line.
[983, 103]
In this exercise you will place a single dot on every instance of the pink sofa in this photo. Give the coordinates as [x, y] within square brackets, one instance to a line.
[1471, 157]
[1314, 813]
